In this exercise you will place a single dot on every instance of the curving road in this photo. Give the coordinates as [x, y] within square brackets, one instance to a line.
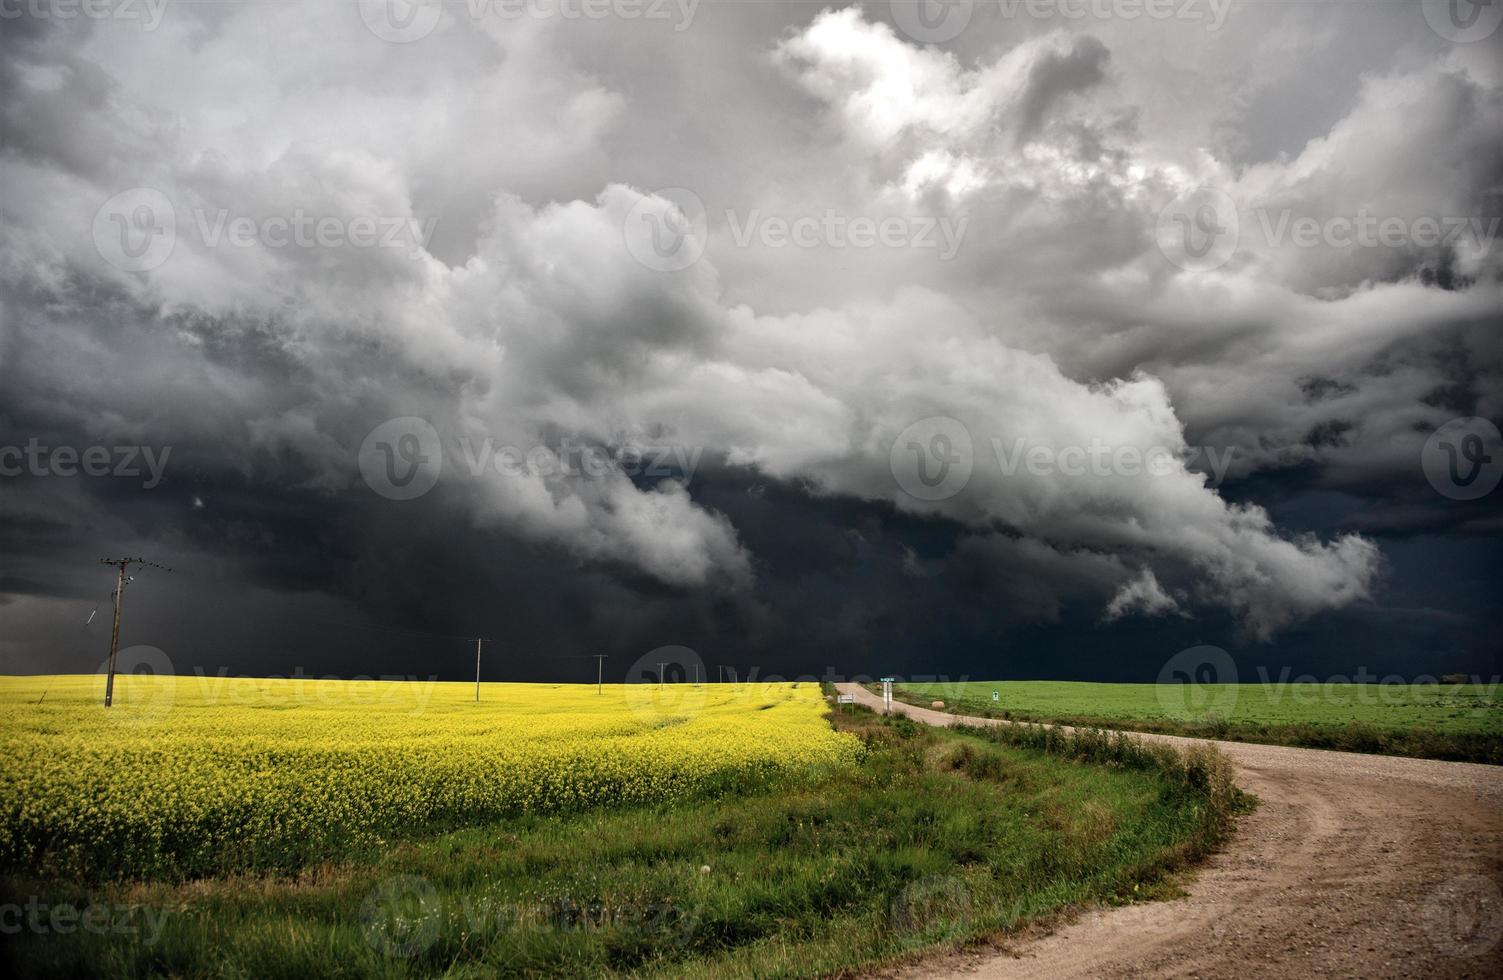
[1355, 866]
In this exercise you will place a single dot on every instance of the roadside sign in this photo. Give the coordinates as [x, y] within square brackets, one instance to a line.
[996, 696]
[887, 694]
[845, 699]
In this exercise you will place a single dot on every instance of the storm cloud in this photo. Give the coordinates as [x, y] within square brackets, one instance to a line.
[764, 328]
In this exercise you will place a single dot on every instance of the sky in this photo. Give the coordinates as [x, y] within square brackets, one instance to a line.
[1042, 339]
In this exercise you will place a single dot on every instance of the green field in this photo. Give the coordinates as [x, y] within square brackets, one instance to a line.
[916, 840]
[1441, 720]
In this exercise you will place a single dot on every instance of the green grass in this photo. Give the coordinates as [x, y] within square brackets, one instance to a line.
[933, 839]
[1438, 721]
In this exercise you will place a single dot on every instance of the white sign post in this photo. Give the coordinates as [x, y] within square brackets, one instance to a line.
[887, 695]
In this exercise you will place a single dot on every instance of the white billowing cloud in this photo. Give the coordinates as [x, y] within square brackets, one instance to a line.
[921, 118]
[1414, 151]
[1113, 478]
[1143, 595]
[1292, 354]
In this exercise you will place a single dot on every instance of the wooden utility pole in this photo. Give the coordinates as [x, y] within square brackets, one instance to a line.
[122, 564]
[600, 672]
[109, 682]
[478, 641]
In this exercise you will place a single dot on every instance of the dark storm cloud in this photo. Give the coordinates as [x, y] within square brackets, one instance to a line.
[512, 163]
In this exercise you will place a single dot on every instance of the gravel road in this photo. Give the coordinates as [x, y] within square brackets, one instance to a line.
[1355, 866]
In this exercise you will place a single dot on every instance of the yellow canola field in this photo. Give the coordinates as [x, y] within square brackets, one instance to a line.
[189, 776]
